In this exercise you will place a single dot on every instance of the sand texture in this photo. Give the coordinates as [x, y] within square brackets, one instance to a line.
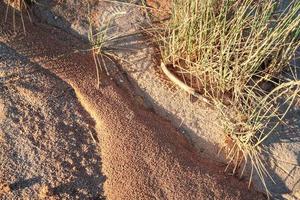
[71, 138]
[198, 122]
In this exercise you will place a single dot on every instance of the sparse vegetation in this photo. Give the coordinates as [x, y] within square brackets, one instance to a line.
[236, 53]
[22, 6]
[99, 41]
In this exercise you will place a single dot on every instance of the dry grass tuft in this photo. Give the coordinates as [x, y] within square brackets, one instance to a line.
[101, 39]
[20, 5]
[235, 53]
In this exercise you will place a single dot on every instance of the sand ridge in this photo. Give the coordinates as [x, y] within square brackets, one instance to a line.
[143, 156]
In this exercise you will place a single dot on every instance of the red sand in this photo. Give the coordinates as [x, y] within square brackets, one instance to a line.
[143, 156]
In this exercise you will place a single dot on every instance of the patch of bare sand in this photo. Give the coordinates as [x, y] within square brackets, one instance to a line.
[143, 156]
[45, 135]
[2, 111]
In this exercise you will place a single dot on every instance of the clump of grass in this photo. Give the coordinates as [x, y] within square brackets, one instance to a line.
[103, 39]
[22, 6]
[234, 53]
[100, 42]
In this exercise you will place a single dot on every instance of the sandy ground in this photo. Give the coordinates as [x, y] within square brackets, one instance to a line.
[46, 135]
[143, 156]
